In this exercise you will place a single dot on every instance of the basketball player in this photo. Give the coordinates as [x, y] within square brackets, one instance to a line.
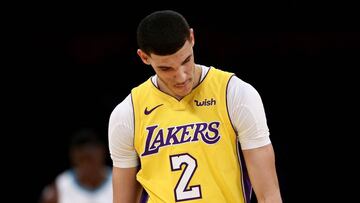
[89, 180]
[190, 133]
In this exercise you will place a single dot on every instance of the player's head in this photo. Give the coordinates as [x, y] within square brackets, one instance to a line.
[87, 153]
[166, 43]
[162, 32]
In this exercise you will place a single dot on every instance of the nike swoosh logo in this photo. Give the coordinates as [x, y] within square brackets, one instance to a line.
[147, 112]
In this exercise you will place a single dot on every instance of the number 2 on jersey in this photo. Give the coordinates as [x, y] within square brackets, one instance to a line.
[182, 190]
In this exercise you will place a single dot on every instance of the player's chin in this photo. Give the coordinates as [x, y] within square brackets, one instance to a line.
[183, 92]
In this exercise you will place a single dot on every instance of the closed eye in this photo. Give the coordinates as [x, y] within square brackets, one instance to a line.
[164, 69]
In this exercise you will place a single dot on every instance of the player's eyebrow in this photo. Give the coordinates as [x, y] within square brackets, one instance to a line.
[182, 63]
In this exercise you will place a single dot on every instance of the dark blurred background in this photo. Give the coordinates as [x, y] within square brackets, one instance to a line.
[74, 63]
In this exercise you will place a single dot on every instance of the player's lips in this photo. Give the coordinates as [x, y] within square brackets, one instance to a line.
[184, 84]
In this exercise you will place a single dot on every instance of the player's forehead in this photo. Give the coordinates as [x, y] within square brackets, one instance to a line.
[174, 59]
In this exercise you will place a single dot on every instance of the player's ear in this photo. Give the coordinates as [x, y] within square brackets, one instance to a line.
[143, 56]
[192, 38]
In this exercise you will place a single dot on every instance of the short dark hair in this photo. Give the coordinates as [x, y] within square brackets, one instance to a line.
[162, 32]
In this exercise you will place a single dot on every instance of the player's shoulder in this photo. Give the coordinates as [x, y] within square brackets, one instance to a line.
[238, 86]
[219, 69]
[144, 83]
[236, 80]
[123, 108]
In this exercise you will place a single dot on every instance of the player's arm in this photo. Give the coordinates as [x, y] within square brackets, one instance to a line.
[247, 114]
[49, 194]
[126, 189]
[124, 157]
[260, 163]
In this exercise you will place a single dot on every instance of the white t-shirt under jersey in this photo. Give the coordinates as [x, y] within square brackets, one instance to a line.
[245, 108]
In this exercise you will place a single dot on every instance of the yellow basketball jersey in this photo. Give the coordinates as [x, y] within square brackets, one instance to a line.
[188, 149]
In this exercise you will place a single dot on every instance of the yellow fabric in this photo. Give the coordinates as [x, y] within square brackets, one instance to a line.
[187, 148]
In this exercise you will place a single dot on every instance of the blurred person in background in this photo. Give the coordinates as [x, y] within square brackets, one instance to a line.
[89, 180]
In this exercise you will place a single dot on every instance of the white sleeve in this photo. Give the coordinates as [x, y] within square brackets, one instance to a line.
[247, 114]
[121, 135]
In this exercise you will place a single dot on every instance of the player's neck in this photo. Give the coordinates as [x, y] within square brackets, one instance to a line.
[197, 77]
